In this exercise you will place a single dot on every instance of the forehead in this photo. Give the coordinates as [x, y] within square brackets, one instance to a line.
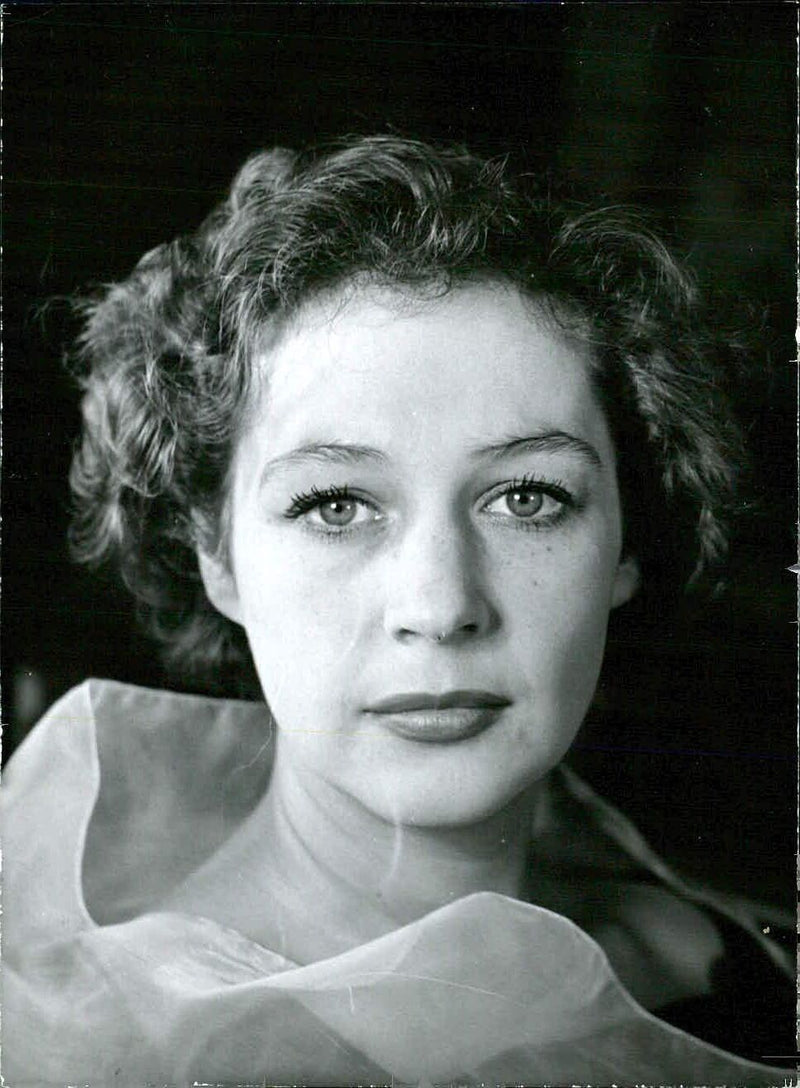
[472, 365]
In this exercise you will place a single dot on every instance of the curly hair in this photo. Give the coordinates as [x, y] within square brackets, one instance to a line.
[165, 357]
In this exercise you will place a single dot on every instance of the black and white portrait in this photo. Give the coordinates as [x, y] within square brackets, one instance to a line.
[399, 513]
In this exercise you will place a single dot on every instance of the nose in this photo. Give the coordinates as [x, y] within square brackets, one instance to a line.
[435, 588]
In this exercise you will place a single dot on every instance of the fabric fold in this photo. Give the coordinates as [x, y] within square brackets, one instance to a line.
[485, 990]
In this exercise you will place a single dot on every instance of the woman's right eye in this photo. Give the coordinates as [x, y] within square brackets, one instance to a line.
[337, 513]
[331, 510]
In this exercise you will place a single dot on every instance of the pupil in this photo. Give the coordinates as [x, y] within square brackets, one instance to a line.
[337, 511]
[524, 503]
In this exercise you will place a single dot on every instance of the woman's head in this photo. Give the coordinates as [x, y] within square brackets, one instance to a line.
[176, 356]
[423, 548]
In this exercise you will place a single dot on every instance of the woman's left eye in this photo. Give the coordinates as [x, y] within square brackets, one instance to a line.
[530, 501]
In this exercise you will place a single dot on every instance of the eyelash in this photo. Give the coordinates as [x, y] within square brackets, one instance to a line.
[555, 489]
[305, 501]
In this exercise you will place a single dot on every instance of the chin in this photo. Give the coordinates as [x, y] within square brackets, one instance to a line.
[454, 804]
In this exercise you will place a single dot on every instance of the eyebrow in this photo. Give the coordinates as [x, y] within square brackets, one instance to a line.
[324, 453]
[549, 442]
[341, 453]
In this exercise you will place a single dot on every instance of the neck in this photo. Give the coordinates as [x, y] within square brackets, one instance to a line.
[392, 874]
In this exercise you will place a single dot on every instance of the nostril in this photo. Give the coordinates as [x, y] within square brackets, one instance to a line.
[437, 622]
[406, 633]
[457, 632]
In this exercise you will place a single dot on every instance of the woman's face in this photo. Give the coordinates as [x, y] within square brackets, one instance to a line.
[425, 536]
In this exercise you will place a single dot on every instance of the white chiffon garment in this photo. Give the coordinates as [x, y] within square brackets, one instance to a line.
[121, 792]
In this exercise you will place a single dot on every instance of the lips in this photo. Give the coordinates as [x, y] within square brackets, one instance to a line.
[398, 704]
[439, 718]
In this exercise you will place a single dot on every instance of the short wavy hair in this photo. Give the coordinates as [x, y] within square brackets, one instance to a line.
[165, 357]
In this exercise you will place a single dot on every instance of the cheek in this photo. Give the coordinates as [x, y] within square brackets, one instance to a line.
[557, 613]
[282, 586]
[302, 620]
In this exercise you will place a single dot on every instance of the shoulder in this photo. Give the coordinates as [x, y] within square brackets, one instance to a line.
[119, 788]
[101, 724]
[703, 960]
[61, 749]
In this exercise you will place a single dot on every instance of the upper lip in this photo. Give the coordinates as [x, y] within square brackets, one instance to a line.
[423, 700]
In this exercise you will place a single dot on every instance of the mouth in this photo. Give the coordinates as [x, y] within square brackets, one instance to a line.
[439, 719]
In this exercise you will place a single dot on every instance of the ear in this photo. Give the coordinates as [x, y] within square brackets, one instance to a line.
[219, 584]
[626, 581]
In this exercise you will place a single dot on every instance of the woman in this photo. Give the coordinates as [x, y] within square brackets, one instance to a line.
[401, 435]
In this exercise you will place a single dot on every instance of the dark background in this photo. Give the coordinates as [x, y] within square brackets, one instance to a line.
[124, 124]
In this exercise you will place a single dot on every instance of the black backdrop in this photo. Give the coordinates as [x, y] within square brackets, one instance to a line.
[123, 124]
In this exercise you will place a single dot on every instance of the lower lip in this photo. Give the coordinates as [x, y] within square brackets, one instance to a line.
[444, 726]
